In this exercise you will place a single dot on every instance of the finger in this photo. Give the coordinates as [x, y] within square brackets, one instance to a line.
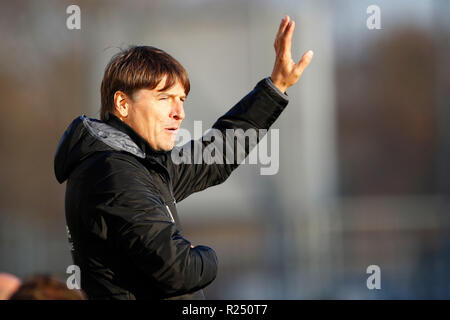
[283, 24]
[288, 37]
[287, 19]
[290, 30]
[304, 61]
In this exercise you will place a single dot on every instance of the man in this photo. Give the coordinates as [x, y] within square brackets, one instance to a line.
[123, 184]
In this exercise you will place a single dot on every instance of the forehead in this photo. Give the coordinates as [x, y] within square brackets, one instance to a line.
[176, 90]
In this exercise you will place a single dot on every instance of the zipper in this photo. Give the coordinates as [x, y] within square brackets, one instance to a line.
[170, 213]
[169, 184]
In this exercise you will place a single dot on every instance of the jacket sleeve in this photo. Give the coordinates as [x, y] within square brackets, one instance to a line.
[191, 167]
[139, 228]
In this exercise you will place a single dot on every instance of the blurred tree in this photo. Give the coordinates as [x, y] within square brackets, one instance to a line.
[387, 126]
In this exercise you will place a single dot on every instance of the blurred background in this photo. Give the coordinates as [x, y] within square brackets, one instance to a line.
[364, 175]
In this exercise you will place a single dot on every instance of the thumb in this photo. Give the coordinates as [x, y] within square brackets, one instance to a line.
[304, 61]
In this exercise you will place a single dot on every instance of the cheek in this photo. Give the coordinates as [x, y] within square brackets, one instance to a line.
[155, 126]
[161, 119]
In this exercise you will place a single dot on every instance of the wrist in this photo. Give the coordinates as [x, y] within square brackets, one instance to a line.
[280, 85]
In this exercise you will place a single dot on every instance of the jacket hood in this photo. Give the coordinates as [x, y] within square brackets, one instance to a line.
[83, 138]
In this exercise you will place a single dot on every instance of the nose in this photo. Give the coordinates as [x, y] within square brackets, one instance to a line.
[178, 110]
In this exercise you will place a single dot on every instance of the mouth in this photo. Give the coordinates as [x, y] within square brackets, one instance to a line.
[172, 130]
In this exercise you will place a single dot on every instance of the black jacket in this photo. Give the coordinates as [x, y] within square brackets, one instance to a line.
[121, 204]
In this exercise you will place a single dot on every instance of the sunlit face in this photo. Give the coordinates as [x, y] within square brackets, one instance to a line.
[155, 115]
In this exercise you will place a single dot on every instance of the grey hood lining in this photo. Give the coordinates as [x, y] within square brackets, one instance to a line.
[112, 137]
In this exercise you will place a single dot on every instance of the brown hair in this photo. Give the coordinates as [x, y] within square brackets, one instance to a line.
[136, 68]
[46, 287]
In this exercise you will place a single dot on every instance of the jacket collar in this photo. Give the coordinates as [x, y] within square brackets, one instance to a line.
[115, 122]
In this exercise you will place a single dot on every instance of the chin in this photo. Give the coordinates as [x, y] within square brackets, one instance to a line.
[167, 147]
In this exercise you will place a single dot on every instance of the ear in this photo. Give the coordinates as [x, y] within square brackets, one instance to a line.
[121, 104]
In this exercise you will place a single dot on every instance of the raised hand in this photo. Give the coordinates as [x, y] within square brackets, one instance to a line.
[285, 71]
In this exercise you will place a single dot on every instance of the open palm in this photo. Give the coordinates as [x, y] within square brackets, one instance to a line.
[285, 71]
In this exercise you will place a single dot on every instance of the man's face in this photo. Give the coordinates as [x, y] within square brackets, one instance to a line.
[156, 115]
